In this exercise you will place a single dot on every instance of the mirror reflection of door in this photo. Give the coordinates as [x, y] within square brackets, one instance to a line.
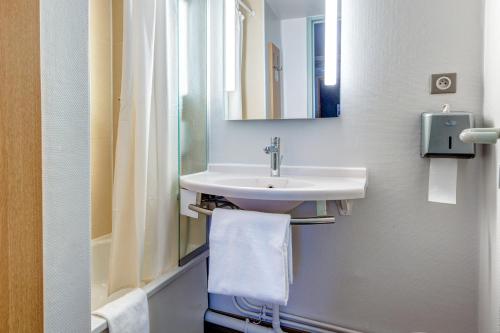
[275, 87]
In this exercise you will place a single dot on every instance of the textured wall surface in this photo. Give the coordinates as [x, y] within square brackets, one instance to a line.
[399, 263]
[66, 183]
[490, 253]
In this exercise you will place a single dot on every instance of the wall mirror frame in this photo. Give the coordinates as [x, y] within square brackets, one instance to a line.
[282, 59]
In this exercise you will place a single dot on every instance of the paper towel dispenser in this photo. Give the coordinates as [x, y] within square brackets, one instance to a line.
[441, 134]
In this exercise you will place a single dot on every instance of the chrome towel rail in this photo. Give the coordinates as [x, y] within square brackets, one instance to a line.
[293, 221]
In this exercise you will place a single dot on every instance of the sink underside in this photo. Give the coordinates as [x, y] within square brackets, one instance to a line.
[265, 206]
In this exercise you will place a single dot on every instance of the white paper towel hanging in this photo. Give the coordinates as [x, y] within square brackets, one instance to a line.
[443, 180]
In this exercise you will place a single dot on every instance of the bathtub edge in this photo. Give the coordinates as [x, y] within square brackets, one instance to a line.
[99, 325]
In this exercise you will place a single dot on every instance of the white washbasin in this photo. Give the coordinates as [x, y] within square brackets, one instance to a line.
[251, 188]
[270, 183]
[264, 182]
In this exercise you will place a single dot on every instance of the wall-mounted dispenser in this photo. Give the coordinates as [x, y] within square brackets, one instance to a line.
[441, 134]
[441, 143]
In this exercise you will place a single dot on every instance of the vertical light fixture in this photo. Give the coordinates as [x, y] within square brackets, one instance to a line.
[230, 44]
[331, 42]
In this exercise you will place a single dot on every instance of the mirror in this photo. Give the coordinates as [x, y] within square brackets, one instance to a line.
[282, 59]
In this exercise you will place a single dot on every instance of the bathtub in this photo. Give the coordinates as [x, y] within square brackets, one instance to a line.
[99, 279]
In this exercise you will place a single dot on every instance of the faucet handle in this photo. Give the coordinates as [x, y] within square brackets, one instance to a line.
[274, 147]
[270, 149]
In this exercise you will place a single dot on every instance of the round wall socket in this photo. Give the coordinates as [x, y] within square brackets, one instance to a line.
[443, 83]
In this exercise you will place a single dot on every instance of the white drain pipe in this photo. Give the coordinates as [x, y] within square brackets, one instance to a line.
[235, 324]
[263, 313]
[276, 319]
[289, 317]
[247, 327]
[292, 324]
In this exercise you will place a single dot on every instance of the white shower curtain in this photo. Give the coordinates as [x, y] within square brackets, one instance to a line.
[144, 234]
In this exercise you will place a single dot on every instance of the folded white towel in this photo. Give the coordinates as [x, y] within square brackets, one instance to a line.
[127, 314]
[250, 255]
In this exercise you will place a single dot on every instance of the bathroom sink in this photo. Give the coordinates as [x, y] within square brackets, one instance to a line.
[263, 182]
[250, 187]
[270, 183]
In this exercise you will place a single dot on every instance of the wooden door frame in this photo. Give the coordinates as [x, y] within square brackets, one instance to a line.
[21, 258]
[275, 105]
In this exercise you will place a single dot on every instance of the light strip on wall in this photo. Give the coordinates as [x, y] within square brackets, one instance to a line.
[331, 41]
[230, 44]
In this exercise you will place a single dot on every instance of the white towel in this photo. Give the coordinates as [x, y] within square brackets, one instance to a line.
[127, 314]
[250, 255]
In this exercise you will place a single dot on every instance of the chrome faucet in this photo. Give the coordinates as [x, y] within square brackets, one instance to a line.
[274, 150]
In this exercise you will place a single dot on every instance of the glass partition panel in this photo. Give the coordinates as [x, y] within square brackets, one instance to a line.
[192, 113]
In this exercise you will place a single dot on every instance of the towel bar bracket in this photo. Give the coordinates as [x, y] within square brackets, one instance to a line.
[344, 207]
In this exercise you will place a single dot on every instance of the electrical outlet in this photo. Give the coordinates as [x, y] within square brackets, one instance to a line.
[444, 83]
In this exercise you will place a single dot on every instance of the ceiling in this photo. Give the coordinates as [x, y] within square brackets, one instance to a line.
[287, 9]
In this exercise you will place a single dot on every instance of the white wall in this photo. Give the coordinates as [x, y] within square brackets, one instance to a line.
[489, 254]
[294, 51]
[400, 263]
[66, 181]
